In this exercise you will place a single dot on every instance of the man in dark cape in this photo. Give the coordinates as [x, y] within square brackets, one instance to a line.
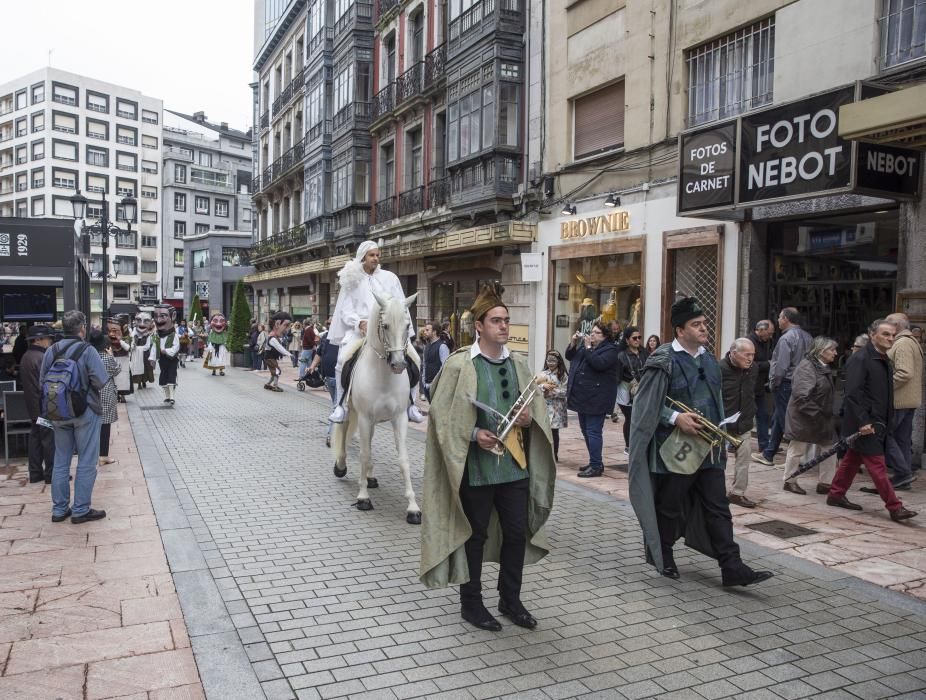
[677, 485]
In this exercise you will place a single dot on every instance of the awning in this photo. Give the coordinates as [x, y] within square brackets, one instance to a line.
[508, 232]
[894, 119]
[321, 265]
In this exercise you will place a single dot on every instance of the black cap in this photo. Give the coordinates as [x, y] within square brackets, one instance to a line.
[39, 331]
[684, 310]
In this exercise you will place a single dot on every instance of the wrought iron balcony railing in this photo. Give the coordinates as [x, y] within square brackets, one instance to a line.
[435, 66]
[411, 201]
[409, 83]
[356, 12]
[386, 6]
[280, 242]
[265, 120]
[438, 192]
[316, 131]
[321, 40]
[384, 101]
[353, 116]
[385, 209]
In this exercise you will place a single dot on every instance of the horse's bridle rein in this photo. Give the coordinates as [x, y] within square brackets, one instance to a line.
[381, 334]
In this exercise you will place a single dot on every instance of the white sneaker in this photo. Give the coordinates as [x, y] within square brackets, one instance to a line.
[338, 415]
[414, 415]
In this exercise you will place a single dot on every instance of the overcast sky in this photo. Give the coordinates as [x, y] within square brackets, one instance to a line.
[193, 54]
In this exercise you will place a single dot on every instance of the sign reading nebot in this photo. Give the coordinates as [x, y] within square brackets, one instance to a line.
[795, 149]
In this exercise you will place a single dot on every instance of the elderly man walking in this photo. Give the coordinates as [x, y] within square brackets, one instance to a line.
[906, 354]
[739, 396]
[761, 338]
[789, 351]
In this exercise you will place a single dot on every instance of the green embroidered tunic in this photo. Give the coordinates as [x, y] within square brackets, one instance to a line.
[496, 386]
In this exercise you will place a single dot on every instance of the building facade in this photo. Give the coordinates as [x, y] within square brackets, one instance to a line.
[214, 261]
[206, 187]
[61, 132]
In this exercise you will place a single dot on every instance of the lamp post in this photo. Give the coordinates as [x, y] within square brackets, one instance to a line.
[104, 228]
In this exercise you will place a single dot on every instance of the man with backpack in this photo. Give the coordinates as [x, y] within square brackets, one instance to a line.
[71, 378]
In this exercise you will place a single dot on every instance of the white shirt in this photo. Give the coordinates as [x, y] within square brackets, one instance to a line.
[355, 304]
[475, 350]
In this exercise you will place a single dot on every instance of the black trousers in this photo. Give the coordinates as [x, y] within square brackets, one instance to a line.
[104, 439]
[710, 493]
[510, 501]
[41, 449]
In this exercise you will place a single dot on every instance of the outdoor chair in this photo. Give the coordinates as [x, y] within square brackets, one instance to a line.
[16, 420]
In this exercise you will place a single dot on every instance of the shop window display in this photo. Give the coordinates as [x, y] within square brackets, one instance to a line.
[589, 289]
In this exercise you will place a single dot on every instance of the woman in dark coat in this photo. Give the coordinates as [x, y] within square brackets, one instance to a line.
[809, 420]
[592, 388]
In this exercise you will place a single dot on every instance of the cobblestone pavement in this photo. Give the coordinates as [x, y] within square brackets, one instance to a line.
[89, 611]
[324, 600]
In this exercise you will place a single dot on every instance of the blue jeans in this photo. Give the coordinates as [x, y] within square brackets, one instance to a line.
[83, 434]
[782, 397]
[762, 420]
[331, 385]
[305, 359]
[257, 361]
[591, 426]
[900, 454]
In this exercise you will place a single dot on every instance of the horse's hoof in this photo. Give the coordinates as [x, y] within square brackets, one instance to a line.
[340, 472]
[413, 518]
[364, 504]
[372, 483]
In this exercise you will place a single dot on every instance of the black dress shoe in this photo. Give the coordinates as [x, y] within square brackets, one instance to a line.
[517, 614]
[481, 618]
[744, 576]
[590, 472]
[670, 571]
[842, 503]
[89, 516]
[61, 518]
[36, 479]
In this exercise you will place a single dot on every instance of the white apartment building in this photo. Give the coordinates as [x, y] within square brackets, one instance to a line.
[206, 187]
[60, 132]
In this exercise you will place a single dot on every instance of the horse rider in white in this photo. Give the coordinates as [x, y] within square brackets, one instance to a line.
[358, 279]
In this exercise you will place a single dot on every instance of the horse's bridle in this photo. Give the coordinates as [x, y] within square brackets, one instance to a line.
[381, 334]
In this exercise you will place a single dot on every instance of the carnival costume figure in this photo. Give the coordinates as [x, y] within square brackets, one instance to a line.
[486, 500]
[165, 345]
[275, 350]
[217, 345]
[358, 279]
[120, 340]
[677, 485]
[142, 373]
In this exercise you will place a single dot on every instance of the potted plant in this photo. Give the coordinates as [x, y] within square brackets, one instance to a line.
[239, 328]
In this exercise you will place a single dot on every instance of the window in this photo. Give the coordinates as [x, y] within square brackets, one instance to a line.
[316, 18]
[341, 7]
[598, 121]
[341, 181]
[204, 158]
[126, 135]
[96, 129]
[732, 74]
[66, 123]
[343, 87]
[38, 122]
[221, 228]
[150, 167]
[903, 31]
[509, 123]
[127, 265]
[202, 205]
[97, 102]
[488, 116]
[64, 179]
[38, 178]
[201, 228]
[179, 202]
[149, 141]
[126, 109]
[207, 177]
[97, 183]
[38, 206]
[149, 266]
[125, 188]
[178, 284]
[120, 291]
[38, 93]
[63, 94]
[179, 229]
[98, 156]
[178, 257]
[94, 210]
[22, 100]
[149, 216]
[413, 161]
[22, 182]
[63, 150]
[149, 117]
[221, 207]
[126, 161]
[387, 171]
[148, 242]
[201, 257]
[180, 174]
[246, 215]
[61, 206]
[315, 191]
[316, 106]
[22, 155]
[21, 126]
[38, 150]
[148, 193]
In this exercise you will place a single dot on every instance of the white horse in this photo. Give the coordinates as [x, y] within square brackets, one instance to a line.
[379, 392]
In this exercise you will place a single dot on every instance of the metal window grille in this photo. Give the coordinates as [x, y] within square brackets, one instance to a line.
[696, 276]
[733, 74]
[903, 31]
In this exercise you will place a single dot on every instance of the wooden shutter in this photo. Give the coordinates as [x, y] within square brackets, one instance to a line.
[599, 121]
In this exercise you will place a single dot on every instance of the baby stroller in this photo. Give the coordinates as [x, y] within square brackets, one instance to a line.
[312, 378]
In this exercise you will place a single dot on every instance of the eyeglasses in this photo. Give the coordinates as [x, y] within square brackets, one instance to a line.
[636, 337]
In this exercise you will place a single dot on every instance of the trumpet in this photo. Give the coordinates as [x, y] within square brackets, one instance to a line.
[712, 434]
[506, 422]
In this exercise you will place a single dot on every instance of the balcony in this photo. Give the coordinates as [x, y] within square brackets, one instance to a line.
[321, 41]
[289, 92]
[357, 13]
[484, 14]
[409, 84]
[310, 233]
[435, 67]
[387, 6]
[351, 223]
[411, 201]
[317, 131]
[354, 116]
[438, 192]
[280, 167]
[385, 209]
[383, 102]
[493, 176]
[265, 120]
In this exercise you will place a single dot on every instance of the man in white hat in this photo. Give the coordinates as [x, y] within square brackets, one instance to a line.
[358, 279]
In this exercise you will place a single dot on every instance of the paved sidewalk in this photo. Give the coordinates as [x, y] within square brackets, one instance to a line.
[89, 611]
[326, 603]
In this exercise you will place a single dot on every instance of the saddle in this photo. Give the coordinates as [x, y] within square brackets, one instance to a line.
[414, 372]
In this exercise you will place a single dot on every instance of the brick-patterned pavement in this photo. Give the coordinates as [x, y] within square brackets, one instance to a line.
[89, 611]
[326, 603]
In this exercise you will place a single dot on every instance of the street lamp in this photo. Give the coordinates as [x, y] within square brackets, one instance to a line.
[103, 229]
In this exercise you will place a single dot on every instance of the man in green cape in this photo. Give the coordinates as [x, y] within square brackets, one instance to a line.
[478, 504]
[677, 485]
